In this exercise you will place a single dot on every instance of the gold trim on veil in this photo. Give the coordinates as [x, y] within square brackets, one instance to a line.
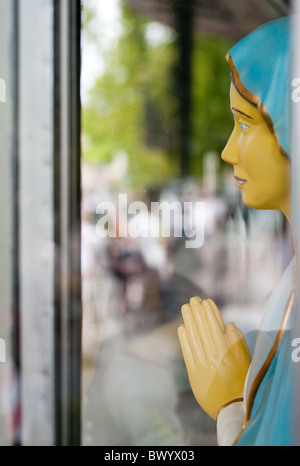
[253, 99]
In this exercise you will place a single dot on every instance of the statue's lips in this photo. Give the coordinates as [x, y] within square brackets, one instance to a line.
[240, 181]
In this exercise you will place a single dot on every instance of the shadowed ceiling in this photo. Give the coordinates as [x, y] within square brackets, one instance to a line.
[232, 19]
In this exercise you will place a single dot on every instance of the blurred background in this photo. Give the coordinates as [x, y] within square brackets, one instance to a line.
[155, 118]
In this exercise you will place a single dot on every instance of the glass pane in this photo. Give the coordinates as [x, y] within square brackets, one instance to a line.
[163, 219]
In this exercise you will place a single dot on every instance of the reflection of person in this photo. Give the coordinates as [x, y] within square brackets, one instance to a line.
[251, 400]
[139, 392]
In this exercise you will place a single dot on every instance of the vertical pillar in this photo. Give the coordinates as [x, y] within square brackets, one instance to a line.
[9, 362]
[36, 218]
[67, 223]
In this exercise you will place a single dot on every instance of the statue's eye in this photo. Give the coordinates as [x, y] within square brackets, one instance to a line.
[243, 126]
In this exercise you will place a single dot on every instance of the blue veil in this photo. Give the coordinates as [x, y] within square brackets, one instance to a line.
[260, 66]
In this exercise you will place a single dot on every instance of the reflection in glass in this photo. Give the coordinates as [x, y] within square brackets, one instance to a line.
[155, 133]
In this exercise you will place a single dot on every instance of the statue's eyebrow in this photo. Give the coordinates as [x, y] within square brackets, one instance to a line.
[242, 113]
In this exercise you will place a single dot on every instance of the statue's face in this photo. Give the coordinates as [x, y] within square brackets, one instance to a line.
[262, 172]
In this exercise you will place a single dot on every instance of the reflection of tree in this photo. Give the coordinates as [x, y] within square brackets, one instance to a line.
[164, 104]
[184, 15]
[129, 107]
